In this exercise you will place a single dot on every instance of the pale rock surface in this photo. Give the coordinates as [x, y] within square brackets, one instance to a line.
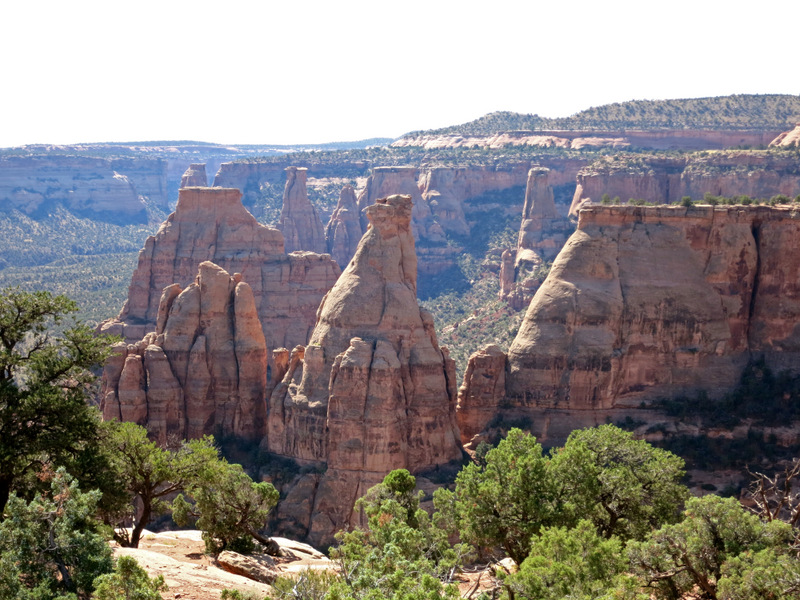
[788, 138]
[204, 369]
[374, 392]
[211, 224]
[195, 176]
[258, 568]
[343, 232]
[299, 221]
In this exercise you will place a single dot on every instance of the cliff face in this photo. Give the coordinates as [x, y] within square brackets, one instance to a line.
[108, 189]
[343, 232]
[299, 222]
[645, 302]
[203, 370]
[210, 224]
[667, 180]
[195, 176]
[648, 302]
[372, 391]
[576, 140]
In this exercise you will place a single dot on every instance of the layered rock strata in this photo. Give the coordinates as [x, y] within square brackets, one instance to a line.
[299, 221]
[118, 190]
[211, 224]
[202, 371]
[687, 139]
[343, 232]
[543, 231]
[649, 302]
[665, 180]
[372, 391]
[195, 176]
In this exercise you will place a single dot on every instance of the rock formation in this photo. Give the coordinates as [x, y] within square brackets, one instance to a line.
[667, 179]
[203, 370]
[299, 222]
[343, 232]
[648, 302]
[372, 391]
[687, 139]
[116, 190]
[195, 176]
[210, 224]
[543, 231]
[386, 181]
[788, 138]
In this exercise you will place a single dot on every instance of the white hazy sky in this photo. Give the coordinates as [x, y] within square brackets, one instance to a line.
[273, 71]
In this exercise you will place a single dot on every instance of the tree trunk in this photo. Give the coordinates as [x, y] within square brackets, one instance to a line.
[144, 519]
[5, 492]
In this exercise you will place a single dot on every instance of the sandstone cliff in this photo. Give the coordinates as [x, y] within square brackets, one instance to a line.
[648, 302]
[343, 232]
[664, 179]
[372, 391]
[202, 371]
[686, 139]
[543, 231]
[299, 222]
[210, 224]
[788, 138]
[117, 190]
[195, 176]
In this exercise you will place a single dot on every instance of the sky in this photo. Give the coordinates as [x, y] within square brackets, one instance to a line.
[279, 72]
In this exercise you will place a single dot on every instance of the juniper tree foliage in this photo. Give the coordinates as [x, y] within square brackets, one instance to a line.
[52, 548]
[44, 378]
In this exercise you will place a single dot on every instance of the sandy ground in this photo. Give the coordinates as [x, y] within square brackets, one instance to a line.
[191, 575]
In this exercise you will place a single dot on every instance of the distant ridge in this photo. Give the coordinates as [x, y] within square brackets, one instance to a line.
[736, 112]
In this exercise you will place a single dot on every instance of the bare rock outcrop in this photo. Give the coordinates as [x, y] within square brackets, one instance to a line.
[788, 138]
[668, 179]
[372, 391]
[343, 232]
[543, 231]
[299, 221]
[195, 176]
[482, 391]
[648, 302]
[211, 224]
[203, 370]
[644, 303]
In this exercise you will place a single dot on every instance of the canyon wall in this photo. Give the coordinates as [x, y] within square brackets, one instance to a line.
[664, 179]
[685, 139]
[343, 232]
[649, 302]
[115, 189]
[194, 176]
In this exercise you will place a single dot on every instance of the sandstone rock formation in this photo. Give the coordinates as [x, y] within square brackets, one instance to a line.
[788, 138]
[343, 232]
[543, 231]
[202, 371]
[210, 224]
[299, 222]
[480, 395]
[372, 391]
[648, 302]
[195, 176]
[687, 139]
[386, 181]
[666, 179]
[117, 190]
